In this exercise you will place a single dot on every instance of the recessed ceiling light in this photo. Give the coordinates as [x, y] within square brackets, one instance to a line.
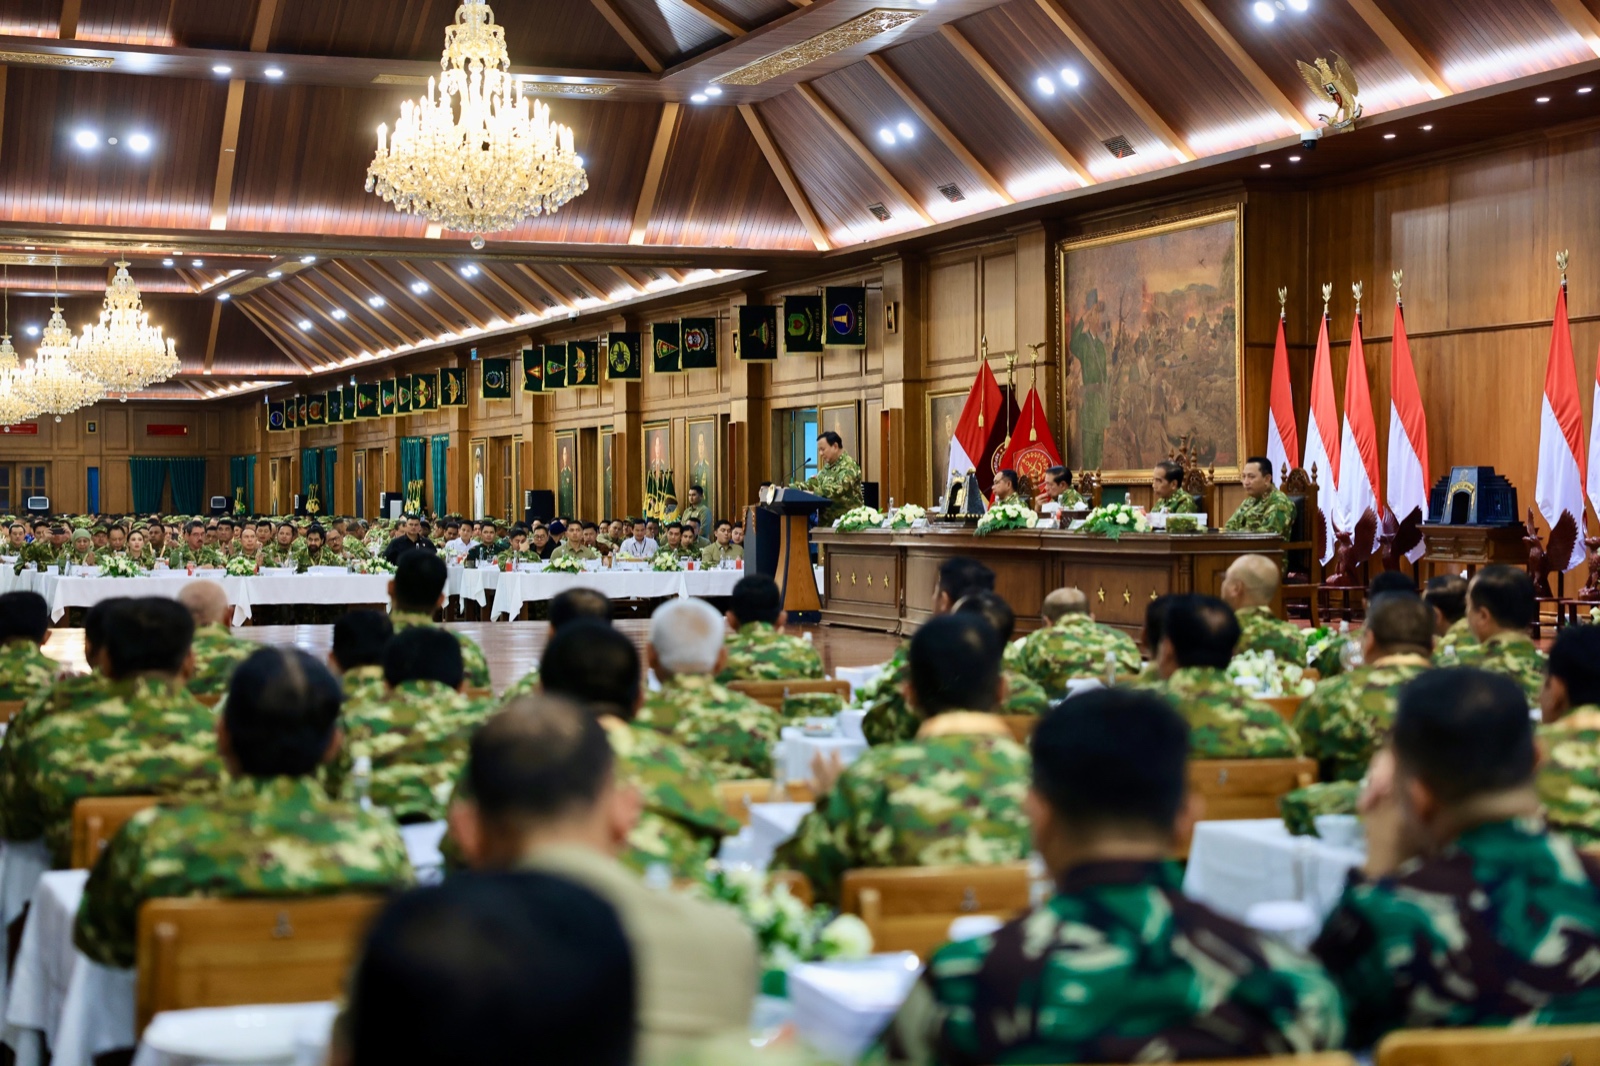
[198, 263]
[305, 324]
[713, 90]
[225, 297]
[469, 271]
[275, 274]
[222, 68]
[699, 98]
[419, 287]
[308, 259]
[375, 301]
[139, 142]
[1264, 11]
[273, 72]
[1045, 85]
[1542, 100]
[886, 135]
[1071, 77]
[1428, 127]
[1585, 90]
[1294, 159]
[1300, 5]
[32, 331]
[1266, 166]
[906, 131]
[1388, 136]
[339, 313]
[86, 139]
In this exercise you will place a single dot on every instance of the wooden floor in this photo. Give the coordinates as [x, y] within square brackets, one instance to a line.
[512, 648]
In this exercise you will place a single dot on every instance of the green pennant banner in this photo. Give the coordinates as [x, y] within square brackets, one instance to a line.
[336, 406]
[756, 338]
[497, 379]
[425, 391]
[666, 344]
[402, 398]
[452, 387]
[367, 400]
[302, 416]
[533, 369]
[555, 367]
[583, 365]
[624, 361]
[388, 391]
[699, 343]
[275, 417]
[802, 325]
[847, 317]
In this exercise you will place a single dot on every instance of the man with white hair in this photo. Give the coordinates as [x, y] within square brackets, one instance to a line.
[731, 731]
[1249, 587]
[216, 651]
[1072, 646]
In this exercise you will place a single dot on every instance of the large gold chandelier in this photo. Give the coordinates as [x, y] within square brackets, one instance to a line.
[469, 155]
[14, 406]
[49, 382]
[123, 350]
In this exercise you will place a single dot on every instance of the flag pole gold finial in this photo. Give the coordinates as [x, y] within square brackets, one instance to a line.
[1399, 277]
[1283, 303]
[1356, 289]
[1327, 297]
[1561, 262]
[1033, 386]
[983, 361]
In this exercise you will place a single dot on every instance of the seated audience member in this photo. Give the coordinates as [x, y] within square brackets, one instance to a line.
[490, 969]
[416, 593]
[1119, 965]
[573, 605]
[25, 671]
[1447, 596]
[731, 731]
[359, 640]
[952, 796]
[722, 549]
[1072, 646]
[216, 651]
[1020, 693]
[1569, 706]
[1469, 912]
[1249, 587]
[758, 648]
[1501, 609]
[142, 734]
[546, 796]
[1265, 509]
[408, 538]
[269, 831]
[1198, 634]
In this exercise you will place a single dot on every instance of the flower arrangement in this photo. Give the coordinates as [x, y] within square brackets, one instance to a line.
[907, 516]
[1183, 523]
[370, 566]
[240, 566]
[665, 562]
[120, 565]
[566, 564]
[786, 930]
[1007, 515]
[858, 518]
[1594, 616]
[1264, 674]
[1113, 520]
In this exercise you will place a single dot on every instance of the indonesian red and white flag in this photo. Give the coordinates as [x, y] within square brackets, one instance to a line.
[1407, 490]
[1594, 445]
[977, 422]
[1033, 447]
[1283, 440]
[1322, 438]
[1559, 488]
[1358, 447]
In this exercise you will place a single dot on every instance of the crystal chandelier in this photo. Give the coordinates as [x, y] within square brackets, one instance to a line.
[49, 382]
[123, 350]
[8, 354]
[469, 155]
[14, 406]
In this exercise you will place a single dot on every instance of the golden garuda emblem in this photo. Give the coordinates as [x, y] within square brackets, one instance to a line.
[1338, 84]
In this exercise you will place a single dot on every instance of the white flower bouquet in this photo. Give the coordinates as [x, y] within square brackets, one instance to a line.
[1264, 674]
[786, 930]
[907, 516]
[370, 566]
[240, 566]
[564, 565]
[1113, 520]
[1007, 515]
[858, 518]
[120, 565]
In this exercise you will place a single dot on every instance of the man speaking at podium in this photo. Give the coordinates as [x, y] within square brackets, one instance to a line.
[838, 477]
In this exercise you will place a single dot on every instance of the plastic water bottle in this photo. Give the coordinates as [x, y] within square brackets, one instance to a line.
[658, 877]
[1349, 651]
[361, 777]
[1111, 669]
[780, 775]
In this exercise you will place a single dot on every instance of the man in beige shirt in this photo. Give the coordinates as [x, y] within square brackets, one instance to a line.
[544, 796]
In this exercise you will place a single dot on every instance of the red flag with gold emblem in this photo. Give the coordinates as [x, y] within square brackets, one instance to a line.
[1033, 446]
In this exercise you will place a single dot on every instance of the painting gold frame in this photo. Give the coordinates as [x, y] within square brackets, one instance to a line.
[1065, 248]
[938, 446]
[670, 452]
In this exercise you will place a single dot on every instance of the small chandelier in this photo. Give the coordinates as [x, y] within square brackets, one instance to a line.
[49, 382]
[469, 155]
[8, 354]
[123, 350]
[14, 406]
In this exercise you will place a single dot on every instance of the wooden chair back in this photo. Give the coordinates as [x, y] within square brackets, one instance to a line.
[911, 909]
[1286, 706]
[737, 796]
[9, 709]
[1021, 726]
[96, 819]
[230, 952]
[1303, 548]
[1232, 789]
[1554, 1045]
[772, 693]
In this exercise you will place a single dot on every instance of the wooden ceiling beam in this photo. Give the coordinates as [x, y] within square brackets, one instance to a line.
[1577, 14]
[276, 306]
[211, 338]
[1019, 107]
[628, 279]
[859, 149]
[299, 301]
[404, 296]
[398, 306]
[1406, 48]
[228, 153]
[361, 304]
[665, 129]
[67, 28]
[1263, 84]
[584, 283]
[376, 340]
[289, 347]
[478, 294]
[936, 124]
[781, 171]
[554, 293]
[630, 36]
[715, 17]
[455, 304]
[517, 299]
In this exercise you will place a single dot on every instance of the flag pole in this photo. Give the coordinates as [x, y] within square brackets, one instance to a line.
[1033, 387]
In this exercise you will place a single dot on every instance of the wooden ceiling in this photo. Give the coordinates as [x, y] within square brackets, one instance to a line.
[251, 173]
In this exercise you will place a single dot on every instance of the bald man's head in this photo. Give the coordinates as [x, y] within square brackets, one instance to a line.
[206, 601]
[1063, 602]
[1252, 581]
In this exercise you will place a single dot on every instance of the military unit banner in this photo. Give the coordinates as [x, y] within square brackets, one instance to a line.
[387, 393]
[452, 387]
[666, 343]
[555, 367]
[402, 395]
[368, 400]
[302, 416]
[699, 343]
[336, 406]
[756, 337]
[533, 369]
[497, 379]
[349, 396]
[802, 325]
[624, 361]
[425, 392]
[275, 418]
[847, 317]
[583, 365]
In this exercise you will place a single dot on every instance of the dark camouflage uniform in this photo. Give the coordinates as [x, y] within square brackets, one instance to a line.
[1180, 502]
[839, 481]
[1344, 721]
[416, 735]
[1261, 631]
[180, 557]
[1500, 928]
[1512, 655]
[1569, 778]
[25, 671]
[890, 719]
[473, 663]
[40, 553]
[1118, 966]
[526, 685]
[1075, 647]
[732, 732]
[257, 837]
[1447, 650]
[1224, 723]
[1301, 807]
[682, 821]
[364, 684]
[758, 652]
[1272, 513]
[217, 653]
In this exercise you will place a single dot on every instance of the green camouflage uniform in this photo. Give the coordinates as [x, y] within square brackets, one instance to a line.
[716, 554]
[526, 685]
[416, 736]
[890, 719]
[1224, 723]
[732, 732]
[276, 555]
[473, 663]
[682, 822]
[257, 837]
[1272, 513]
[1513, 655]
[1448, 649]
[1569, 778]
[180, 557]
[568, 551]
[1502, 927]
[302, 559]
[217, 653]
[1070, 500]
[25, 671]
[1118, 966]
[953, 800]
[1261, 631]
[364, 684]
[1180, 502]
[758, 652]
[839, 481]
[1344, 721]
[1075, 647]
[1301, 807]
[513, 557]
[40, 553]
[145, 736]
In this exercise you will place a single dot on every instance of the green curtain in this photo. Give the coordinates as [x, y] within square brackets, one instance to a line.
[310, 469]
[188, 486]
[250, 483]
[236, 478]
[441, 463]
[148, 477]
[330, 478]
[413, 459]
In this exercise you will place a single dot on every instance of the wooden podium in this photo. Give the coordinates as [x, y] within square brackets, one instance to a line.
[782, 549]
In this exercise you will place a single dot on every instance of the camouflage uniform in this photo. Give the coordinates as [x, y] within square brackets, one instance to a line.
[526, 685]
[568, 551]
[416, 736]
[1301, 807]
[1569, 778]
[1070, 500]
[758, 652]
[890, 719]
[1261, 631]
[1512, 655]
[839, 481]
[732, 732]
[302, 559]
[1118, 966]
[1180, 502]
[513, 557]
[145, 736]
[682, 822]
[276, 555]
[25, 671]
[1448, 649]
[1272, 513]
[40, 553]
[1343, 722]
[951, 800]
[1502, 927]
[1224, 723]
[180, 557]
[364, 684]
[217, 653]
[1075, 647]
[475, 666]
[257, 837]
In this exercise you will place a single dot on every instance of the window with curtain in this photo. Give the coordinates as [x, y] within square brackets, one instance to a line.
[148, 477]
[188, 485]
[440, 475]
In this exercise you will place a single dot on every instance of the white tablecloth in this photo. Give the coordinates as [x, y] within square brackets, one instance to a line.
[1235, 865]
[244, 593]
[796, 750]
[286, 1032]
[21, 866]
[422, 848]
[514, 589]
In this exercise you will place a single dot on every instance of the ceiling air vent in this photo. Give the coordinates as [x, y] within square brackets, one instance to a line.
[879, 212]
[953, 193]
[652, 275]
[1119, 146]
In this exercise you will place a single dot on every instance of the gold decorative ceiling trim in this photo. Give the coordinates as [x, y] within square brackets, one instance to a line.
[50, 59]
[23, 259]
[558, 88]
[862, 28]
[247, 285]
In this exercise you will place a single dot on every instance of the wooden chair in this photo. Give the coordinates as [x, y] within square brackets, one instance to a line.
[1286, 706]
[1021, 725]
[737, 796]
[1234, 789]
[772, 693]
[911, 909]
[96, 819]
[221, 953]
[1303, 550]
[1554, 1045]
[9, 709]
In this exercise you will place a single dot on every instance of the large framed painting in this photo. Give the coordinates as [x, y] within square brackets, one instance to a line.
[567, 473]
[660, 485]
[608, 478]
[845, 420]
[704, 469]
[944, 411]
[1150, 328]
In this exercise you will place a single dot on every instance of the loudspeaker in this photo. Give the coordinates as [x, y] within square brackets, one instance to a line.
[869, 494]
[219, 506]
[540, 504]
[39, 505]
